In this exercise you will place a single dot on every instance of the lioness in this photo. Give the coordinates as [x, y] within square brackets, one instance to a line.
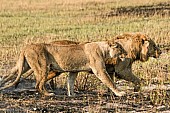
[14, 70]
[71, 75]
[71, 58]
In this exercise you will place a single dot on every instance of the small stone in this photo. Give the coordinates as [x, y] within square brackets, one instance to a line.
[34, 109]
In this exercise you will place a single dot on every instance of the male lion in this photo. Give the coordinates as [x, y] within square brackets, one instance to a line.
[42, 58]
[139, 47]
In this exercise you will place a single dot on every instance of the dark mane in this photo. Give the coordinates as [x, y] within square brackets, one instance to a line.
[135, 45]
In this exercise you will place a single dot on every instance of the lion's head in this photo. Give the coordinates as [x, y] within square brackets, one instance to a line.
[138, 46]
[117, 50]
[154, 50]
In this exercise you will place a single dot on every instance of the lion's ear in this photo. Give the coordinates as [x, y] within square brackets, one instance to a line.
[110, 42]
[144, 39]
[146, 43]
[116, 45]
[113, 45]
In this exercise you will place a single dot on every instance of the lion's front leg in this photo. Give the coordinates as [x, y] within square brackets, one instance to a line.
[127, 75]
[99, 70]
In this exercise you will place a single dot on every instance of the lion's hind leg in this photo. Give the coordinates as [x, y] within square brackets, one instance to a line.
[38, 64]
[43, 80]
[28, 73]
[51, 75]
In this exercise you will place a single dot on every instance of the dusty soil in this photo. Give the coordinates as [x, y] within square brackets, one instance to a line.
[26, 99]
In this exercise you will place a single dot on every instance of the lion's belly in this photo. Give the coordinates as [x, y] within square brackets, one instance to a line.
[78, 65]
[72, 61]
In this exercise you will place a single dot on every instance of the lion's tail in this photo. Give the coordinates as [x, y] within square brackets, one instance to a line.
[14, 70]
[18, 68]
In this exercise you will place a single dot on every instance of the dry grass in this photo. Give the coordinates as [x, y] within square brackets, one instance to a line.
[34, 21]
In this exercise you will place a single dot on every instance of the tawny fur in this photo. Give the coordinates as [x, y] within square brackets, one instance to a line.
[42, 58]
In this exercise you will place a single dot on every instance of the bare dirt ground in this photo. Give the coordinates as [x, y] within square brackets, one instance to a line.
[146, 10]
[26, 99]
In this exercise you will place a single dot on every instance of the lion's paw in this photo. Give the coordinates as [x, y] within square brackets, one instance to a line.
[71, 95]
[49, 94]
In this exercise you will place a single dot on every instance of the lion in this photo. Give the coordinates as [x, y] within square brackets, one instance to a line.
[71, 75]
[14, 70]
[42, 58]
[139, 48]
